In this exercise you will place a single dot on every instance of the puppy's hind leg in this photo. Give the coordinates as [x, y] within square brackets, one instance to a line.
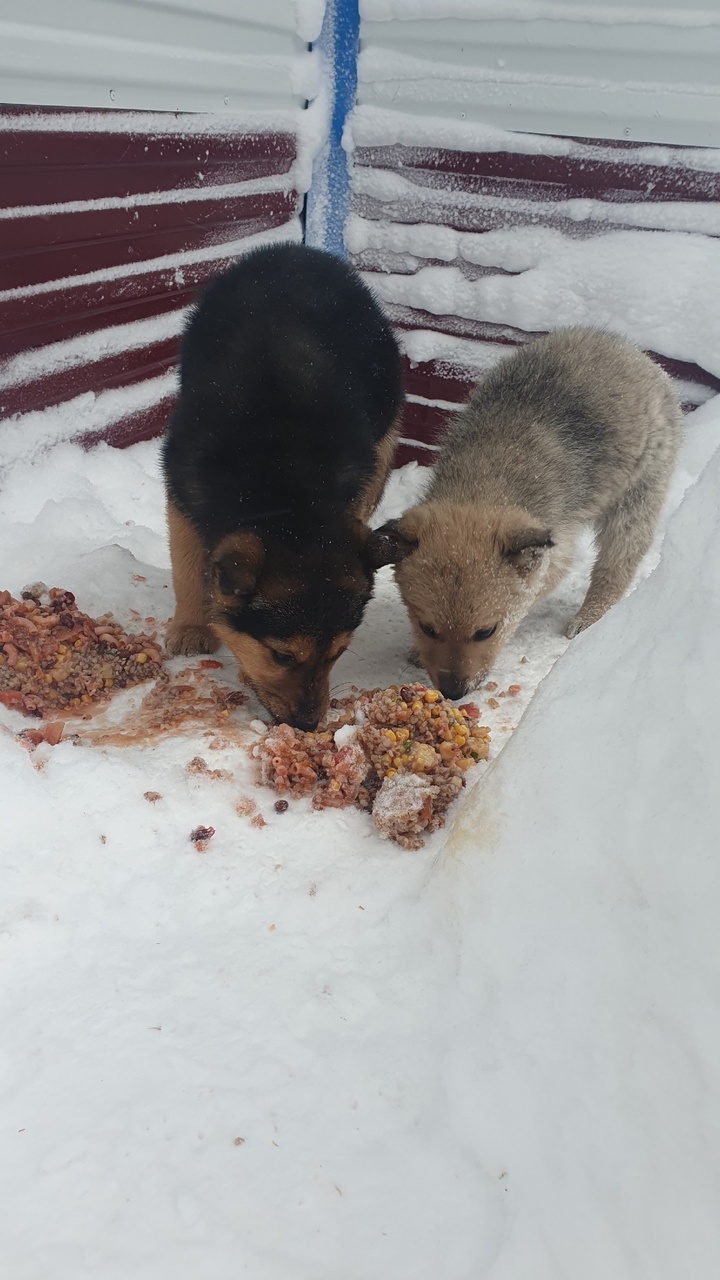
[188, 632]
[624, 536]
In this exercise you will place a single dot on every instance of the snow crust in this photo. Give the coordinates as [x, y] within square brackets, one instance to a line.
[59, 356]
[308, 1053]
[659, 290]
[585, 876]
[143, 199]
[373, 126]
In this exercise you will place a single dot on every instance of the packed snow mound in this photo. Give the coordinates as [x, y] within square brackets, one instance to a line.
[583, 1040]
[306, 1054]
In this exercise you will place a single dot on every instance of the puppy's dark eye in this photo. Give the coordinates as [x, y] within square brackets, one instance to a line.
[427, 631]
[283, 659]
[485, 633]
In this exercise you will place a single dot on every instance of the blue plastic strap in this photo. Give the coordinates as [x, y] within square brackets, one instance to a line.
[329, 195]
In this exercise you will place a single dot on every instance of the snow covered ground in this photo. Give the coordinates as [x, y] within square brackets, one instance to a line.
[308, 1054]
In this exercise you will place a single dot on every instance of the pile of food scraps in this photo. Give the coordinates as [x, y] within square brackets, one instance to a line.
[57, 661]
[402, 753]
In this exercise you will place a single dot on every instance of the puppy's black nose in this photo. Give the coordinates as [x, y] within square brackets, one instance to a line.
[452, 688]
[305, 723]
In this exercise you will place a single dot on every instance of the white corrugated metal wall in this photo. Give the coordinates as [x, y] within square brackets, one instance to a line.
[648, 71]
[168, 55]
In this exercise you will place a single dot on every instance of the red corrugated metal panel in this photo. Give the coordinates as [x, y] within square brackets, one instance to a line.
[476, 191]
[96, 165]
[103, 231]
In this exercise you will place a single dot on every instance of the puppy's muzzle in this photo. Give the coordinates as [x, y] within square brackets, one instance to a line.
[306, 723]
[451, 686]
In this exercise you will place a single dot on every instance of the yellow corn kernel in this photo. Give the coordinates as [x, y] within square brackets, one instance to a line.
[48, 678]
[141, 657]
[446, 750]
[465, 762]
[402, 735]
[416, 706]
[423, 756]
[432, 695]
[391, 773]
[78, 644]
[62, 648]
[390, 734]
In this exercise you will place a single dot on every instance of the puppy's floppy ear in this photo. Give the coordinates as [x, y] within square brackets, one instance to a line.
[236, 564]
[389, 545]
[525, 548]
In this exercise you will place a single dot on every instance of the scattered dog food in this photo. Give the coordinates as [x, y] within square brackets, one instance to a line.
[400, 753]
[51, 733]
[198, 765]
[281, 806]
[200, 837]
[55, 658]
[152, 797]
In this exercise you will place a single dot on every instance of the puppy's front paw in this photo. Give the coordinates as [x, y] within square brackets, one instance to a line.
[189, 638]
[579, 623]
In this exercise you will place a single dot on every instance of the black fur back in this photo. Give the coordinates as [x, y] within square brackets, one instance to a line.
[289, 378]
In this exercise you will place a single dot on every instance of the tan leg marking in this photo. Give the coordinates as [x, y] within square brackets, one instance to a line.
[189, 631]
[384, 454]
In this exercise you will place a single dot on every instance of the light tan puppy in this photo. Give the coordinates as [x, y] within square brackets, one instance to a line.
[578, 428]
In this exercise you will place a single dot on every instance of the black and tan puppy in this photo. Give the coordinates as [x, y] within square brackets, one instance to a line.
[277, 453]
